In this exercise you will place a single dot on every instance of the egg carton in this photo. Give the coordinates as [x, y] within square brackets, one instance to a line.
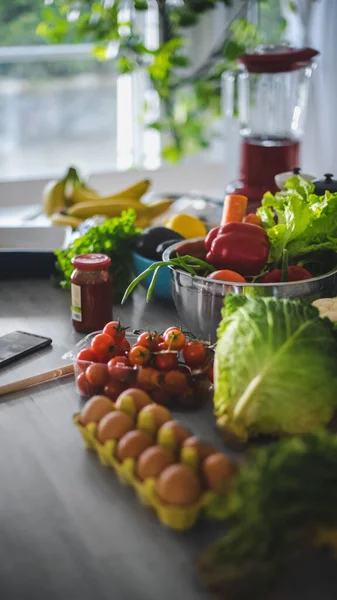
[178, 518]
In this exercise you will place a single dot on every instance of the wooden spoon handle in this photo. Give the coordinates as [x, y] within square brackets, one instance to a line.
[23, 384]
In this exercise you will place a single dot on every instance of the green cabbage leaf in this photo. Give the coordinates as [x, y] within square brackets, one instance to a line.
[275, 369]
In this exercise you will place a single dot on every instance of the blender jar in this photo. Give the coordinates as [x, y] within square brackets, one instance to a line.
[273, 88]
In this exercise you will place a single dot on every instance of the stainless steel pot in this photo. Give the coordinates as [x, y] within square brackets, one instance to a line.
[199, 300]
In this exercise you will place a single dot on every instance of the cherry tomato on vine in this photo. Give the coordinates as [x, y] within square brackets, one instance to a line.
[162, 346]
[175, 382]
[174, 338]
[85, 387]
[119, 360]
[210, 373]
[194, 354]
[139, 356]
[102, 344]
[113, 389]
[125, 345]
[119, 369]
[87, 355]
[150, 339]
[166, 361]
[97, 374]
[116, 330]
[148, 379]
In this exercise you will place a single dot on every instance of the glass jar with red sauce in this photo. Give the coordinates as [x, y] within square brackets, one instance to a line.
[91, 292]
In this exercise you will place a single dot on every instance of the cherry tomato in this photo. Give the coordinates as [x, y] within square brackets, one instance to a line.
[227, 275]
[125, 345]
[194, 354]
[148, 379]
[159, 396]
[119, 371]
[97, 374]
[174, 338]
[84, 387]
[139, 355]
[210, 373]
[119, 360]
[86, 354]
[113, 389]
[161, 347]
[175, 382]
[253, 219]
[165, 361]
[150, 339]
[115, 330]
[102, 344]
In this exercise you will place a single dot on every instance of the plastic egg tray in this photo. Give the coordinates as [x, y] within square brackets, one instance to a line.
[176, 517]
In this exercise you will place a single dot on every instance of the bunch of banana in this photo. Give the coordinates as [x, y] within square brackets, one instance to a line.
[70, 201]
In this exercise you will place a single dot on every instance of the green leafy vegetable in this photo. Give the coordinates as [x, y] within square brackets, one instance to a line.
[306, 223]
[114, 237]
[275, 367]
[284, 496]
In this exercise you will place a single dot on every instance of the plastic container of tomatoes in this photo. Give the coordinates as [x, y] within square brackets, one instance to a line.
[164, 375]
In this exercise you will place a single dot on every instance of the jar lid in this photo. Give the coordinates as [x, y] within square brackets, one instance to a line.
[277, 59]
[324, 185]
[91, 262]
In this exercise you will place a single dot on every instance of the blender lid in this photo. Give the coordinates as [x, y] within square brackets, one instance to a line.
[327, 184]
[277, 59]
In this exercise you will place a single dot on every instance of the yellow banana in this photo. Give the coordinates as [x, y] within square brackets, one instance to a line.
[109, 208]
[158, 208]
[65, 220]
[134, 191]
[83, 193]
[53, 196]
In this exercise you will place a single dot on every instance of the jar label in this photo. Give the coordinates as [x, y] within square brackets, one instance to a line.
[76, 302]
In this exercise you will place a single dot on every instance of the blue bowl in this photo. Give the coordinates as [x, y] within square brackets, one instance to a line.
[162, 289]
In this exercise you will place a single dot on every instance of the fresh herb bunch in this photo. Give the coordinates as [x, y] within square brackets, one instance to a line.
[190, 98]
[284, 498]
[115, 238]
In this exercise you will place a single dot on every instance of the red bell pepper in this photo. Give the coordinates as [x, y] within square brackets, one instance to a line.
[294, 274]
[240, 247]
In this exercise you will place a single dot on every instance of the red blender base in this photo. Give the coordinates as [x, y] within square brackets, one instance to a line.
[261, 160]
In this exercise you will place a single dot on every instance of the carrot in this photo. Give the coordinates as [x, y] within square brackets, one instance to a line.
[234, 208]
[253, 219]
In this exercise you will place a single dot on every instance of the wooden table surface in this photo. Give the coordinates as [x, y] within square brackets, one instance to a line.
[68, 528]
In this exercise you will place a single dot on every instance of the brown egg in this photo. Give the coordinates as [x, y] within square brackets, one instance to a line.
[139, 397]
[202, 448]
[178, 485]
[160, 414]
[132, 444]
[178, 432]
[95, 409]
[114, 425]
[217, 470]
[153, 461]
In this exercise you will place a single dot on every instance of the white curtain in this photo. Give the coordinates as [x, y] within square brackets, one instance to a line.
[315, 24]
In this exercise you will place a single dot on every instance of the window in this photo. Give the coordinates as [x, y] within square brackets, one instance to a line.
[60, 106]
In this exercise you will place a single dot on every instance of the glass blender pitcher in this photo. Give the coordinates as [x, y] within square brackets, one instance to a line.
[272, 88]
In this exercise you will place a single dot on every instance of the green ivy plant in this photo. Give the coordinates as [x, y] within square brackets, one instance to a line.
[190, 102]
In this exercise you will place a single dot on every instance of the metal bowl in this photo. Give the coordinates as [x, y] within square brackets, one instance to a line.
[199, 300]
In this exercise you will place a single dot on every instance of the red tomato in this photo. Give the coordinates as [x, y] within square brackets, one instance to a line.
[86, 354]
[125, 345]
[210, 373]
[116, 330]
[148, 378]
[97, 374]
[174, 338]
[161, 347]
[227, 275]
[150, 339]
[85, 387]
[113, 389]
[139, 356]
[165, 361]
[120, 371]
[175, 382]
[194, 354]
[102, 344]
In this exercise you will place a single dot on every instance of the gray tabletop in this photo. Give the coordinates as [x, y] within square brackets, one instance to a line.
[69, 529]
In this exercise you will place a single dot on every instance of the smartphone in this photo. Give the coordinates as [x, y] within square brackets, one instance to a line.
[18, 344]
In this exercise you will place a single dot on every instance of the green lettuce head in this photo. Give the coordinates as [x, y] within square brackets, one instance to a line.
[275, 369]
